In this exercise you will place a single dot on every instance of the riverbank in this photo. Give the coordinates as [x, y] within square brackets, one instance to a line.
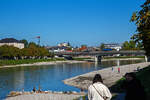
[43, 63]
[109, 75]
[143, 75]
[58, 61]
[45, 95]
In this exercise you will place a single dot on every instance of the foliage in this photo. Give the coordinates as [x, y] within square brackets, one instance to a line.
[102, 46]
[32, 51]
[25, 43]
[142, 20]
[26, 61]
[143, 75]
[9, 52]
[132, 45]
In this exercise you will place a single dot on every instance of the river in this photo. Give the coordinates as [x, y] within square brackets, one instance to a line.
[49, 77]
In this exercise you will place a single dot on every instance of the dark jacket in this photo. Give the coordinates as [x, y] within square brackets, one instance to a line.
[134, 90]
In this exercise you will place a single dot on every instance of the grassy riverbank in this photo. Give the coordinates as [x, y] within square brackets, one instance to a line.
[27, 61]
[143, 75]
[124, 57]
[81, 59]
[31, 61]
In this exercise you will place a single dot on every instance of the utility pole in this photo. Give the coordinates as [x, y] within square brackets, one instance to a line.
[38, 40]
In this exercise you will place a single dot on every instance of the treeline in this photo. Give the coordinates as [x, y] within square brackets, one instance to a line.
[31, 51]
[132, 45]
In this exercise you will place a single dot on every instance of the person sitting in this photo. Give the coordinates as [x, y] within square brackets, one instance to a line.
[34, 89]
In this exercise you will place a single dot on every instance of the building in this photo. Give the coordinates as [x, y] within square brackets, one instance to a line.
[57, 49]
[115, 46]
[12, 42]
[64, 44]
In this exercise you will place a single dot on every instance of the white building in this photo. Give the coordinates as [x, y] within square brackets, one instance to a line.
[12, 42]
[64, 44]
[113, 46]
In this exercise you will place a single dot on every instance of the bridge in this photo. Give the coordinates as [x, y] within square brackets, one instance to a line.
[103, 53]
[98, 54]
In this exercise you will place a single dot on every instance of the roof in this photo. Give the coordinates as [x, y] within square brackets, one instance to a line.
[9, 40]
[57, 47]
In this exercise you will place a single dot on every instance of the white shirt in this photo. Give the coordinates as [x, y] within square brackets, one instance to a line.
[101, 88]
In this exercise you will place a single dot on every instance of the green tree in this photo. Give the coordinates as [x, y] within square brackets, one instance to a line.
[132, 45]
[125, 45]
[25, 43]
[9, 52]
[142, 21]
[102, 46]
[43, 52]
[140, 45]
[32, 44]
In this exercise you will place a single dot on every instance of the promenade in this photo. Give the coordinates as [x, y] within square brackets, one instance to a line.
[109, 76]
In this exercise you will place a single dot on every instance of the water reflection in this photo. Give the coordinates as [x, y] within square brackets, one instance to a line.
[48, 77]
[18, 80]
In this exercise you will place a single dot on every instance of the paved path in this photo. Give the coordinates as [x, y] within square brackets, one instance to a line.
[109, 76]
[120, 96]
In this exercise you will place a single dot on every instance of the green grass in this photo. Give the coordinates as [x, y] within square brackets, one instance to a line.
[125, 57]
[116, 88]
[144, 76]
[81, 59]
[27, 61]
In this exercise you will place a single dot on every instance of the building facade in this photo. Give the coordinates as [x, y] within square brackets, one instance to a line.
[12, 42]
[113, 46]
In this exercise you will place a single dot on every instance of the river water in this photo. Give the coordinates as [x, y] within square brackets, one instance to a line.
[49, 77]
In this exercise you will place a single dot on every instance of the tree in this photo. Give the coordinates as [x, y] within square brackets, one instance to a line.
[43, 52]
[132, 45]
[32, 44]
[142, 21]
[25, 43]
[9, 52]
[125, 45]
[102, 46]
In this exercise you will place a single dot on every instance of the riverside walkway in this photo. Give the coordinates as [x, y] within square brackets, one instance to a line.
[109, 76]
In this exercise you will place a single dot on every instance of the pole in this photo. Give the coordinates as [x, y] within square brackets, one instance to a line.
[38, 37]
[39, 41]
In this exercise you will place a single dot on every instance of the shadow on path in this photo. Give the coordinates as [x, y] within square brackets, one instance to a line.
[120, 96]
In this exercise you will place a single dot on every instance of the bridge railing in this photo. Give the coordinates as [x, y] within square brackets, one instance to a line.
[139, 52]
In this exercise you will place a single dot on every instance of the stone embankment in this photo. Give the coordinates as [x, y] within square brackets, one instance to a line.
[110, 75]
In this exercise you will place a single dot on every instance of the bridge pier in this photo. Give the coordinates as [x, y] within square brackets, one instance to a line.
[98, 58]
[147, 58]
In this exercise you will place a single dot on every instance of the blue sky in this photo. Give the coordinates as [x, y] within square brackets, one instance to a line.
[89, 22]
